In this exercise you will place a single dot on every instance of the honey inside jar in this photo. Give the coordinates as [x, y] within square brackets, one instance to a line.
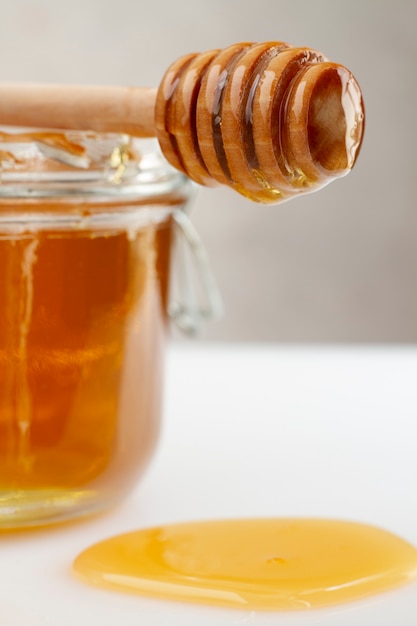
[83, 298]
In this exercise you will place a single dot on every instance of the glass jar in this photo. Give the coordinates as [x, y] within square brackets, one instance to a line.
[86, 227]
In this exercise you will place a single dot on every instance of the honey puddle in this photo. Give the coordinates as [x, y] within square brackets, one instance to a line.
[270, 564]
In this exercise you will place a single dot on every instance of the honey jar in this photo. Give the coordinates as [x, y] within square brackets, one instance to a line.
[86, 229]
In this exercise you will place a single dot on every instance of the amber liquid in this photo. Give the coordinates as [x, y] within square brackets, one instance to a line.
[269, 564]
[82, 321]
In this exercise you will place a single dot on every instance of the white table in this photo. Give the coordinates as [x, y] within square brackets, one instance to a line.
[249, 431]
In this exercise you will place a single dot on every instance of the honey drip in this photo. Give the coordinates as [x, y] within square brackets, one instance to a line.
[260, 564]
[22, 399]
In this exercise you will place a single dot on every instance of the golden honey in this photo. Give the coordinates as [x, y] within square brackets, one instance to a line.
[254, 564]
[83, 299]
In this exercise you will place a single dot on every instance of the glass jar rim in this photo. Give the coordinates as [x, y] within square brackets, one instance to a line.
[84, 166]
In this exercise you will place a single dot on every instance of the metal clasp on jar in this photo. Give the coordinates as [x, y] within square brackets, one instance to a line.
[195, 296]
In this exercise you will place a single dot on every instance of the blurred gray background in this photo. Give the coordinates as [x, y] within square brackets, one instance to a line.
[336, 266]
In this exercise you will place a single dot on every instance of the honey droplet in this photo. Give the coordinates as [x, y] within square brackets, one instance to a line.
[272, 564]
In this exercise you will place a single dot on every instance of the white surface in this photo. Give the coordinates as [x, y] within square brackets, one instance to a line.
[249, 431]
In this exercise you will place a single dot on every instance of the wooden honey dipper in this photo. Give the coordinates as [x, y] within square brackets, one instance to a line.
[270, 120]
